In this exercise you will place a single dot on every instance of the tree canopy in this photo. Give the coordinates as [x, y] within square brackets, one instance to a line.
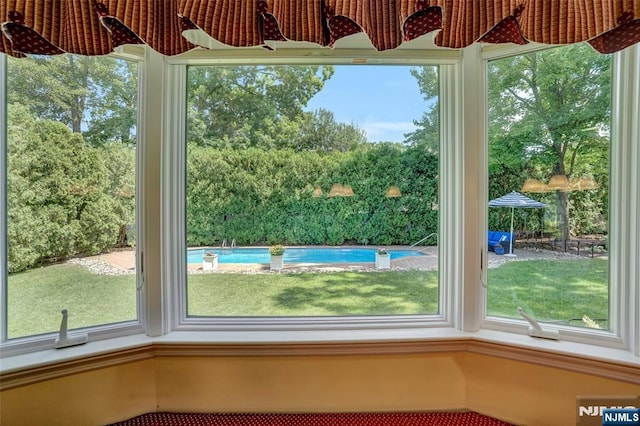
[427, 133]
[96, 96]
[549, 114]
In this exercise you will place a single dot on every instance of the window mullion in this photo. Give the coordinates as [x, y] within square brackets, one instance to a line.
[3, 198]
[634, 179]
[473, 115]
[450, 195]
[173, 198]
[625, 197]
[152, 98]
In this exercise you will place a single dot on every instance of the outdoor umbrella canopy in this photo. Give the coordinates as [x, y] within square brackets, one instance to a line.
[515, 200]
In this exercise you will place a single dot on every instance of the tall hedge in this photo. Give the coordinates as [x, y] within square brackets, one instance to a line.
[263, 197]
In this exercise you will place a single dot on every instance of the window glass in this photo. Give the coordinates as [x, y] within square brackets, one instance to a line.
[71, 185]
[333, 167]
[549, 127]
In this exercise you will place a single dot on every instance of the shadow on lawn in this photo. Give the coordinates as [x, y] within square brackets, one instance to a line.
[374, 293]
[558, 291]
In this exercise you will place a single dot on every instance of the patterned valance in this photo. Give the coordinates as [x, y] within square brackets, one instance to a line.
[172, 27]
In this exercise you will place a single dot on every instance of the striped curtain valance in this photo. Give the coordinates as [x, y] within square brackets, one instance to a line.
[172, 27]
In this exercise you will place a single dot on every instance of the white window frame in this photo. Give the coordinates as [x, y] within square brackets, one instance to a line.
[624, 284]
[28, 344]
[463, 191]
[3, 196]
[174, 163]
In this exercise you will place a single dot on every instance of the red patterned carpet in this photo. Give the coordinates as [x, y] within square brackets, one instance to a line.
[320, 419]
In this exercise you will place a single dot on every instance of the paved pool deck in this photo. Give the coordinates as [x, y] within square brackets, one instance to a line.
[123, 261]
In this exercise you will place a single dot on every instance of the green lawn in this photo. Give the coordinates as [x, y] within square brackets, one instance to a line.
[36, 297]
[313, 294]
[549, 290]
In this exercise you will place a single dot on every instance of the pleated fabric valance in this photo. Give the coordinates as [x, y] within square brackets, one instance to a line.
[172, 27]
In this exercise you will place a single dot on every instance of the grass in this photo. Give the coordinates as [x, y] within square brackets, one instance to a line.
[36, 297]
[550, 290]
[313, 294]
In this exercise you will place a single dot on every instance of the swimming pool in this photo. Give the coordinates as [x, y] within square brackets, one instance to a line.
[296, 255]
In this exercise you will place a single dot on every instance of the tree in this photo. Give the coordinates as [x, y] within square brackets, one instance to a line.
[320, 132]
[427, 133]
[95, 95]
[56, 193]
[112, 116]
[243, 106]
[547, 104]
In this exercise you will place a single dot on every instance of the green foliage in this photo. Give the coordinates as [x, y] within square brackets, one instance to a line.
[58, 194]
[120, 162]
[98, 94]
[427, 133]
[320, 132]
[549, 114]
[252, 106]
[255, 155]
[259, 197]
[276, 250]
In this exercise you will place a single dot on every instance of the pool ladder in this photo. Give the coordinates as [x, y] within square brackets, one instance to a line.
[226, 247]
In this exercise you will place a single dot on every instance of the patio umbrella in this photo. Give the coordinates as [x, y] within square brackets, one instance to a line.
[515, 200]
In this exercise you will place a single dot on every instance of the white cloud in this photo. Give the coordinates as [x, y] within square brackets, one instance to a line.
[387, 130]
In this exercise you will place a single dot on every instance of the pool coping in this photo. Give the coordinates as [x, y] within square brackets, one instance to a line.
[426, 261]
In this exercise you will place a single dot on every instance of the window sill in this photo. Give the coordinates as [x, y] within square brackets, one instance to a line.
[30, 368]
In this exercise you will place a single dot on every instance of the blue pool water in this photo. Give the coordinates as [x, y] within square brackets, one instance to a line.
[295, 255]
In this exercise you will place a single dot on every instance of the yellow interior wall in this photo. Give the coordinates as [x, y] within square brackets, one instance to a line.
[515, 391]
[317, 383]
[95, 397]
[530, 394]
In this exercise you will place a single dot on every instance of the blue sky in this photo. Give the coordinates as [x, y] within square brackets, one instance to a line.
[383, 100]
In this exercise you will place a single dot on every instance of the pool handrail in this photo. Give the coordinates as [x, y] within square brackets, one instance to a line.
[425, 238]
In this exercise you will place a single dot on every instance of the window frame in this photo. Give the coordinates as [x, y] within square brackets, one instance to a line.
[623, 275]
[39, 342]
[3, 197]
[174, 205]
[160, 261]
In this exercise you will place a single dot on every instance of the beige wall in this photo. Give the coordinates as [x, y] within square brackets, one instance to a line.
[514, 391]
[531, 394]
[90, 398]
[336, 383]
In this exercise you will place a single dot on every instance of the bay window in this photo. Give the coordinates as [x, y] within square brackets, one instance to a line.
[203, 190]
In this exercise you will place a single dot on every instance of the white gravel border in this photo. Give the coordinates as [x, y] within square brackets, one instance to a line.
[101, 267]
